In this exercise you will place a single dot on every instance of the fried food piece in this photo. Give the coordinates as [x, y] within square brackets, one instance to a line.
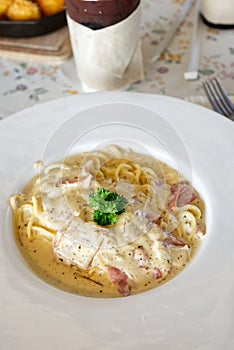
[49, 7]
[23, 10]
[4, 5]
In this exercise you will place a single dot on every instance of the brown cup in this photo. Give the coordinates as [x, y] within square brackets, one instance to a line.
[100, 13]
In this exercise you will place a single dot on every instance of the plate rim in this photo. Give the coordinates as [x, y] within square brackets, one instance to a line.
[138, 304]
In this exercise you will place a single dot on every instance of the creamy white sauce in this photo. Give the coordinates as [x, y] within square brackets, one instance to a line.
[143, 250]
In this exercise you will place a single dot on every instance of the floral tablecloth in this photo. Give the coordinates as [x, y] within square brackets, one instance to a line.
[25, 83]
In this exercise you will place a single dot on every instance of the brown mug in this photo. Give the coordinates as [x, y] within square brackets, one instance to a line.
[100, 13]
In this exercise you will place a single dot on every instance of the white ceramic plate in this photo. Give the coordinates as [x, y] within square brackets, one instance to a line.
[193, 310]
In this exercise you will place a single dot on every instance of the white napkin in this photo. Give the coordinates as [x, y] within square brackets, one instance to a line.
[111, 57]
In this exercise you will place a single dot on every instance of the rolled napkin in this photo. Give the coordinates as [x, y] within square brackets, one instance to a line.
[218, 12]
[108, 58]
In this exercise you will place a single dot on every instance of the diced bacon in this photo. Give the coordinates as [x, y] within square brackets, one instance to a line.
[120, 278]
[123, 283]
[124, 293]
[200, 232]
[172, 240]
[155, 220]
[69, 183]
[152, 217]
[116, 275]
[182, 194]
[186, 196]
[158, 221]
[172, 203]
[157, 273]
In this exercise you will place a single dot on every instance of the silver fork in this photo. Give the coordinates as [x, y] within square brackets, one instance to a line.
[218, 98]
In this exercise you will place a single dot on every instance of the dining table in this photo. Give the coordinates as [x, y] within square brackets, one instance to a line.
[28, 78]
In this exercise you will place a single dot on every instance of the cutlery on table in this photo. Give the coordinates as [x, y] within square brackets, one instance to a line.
[219, 98]
[192, 70]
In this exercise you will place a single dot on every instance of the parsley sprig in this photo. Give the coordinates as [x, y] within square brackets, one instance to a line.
[108, 205]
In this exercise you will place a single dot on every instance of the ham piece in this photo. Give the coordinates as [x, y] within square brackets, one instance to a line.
[182, 194]
[120, 278]
[171, 240]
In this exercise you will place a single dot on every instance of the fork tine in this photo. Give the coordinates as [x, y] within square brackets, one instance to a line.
[223, 93]
[212, 98]
[219, 99]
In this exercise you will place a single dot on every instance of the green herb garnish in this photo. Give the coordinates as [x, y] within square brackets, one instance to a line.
[108, 205]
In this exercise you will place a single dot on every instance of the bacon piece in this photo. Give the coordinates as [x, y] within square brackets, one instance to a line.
[182, 194]
[172, 240]
[120, 278]
[172, 203]
[67, 183]
[201, 231]
[152, 218]
[115, 274]
[157, 273]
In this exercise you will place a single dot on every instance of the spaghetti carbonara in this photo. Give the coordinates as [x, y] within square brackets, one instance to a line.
[150, 241]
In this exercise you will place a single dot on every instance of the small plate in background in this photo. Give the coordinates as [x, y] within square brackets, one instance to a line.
[29, 29]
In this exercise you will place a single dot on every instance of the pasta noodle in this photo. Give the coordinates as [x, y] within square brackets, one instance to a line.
[153, 239]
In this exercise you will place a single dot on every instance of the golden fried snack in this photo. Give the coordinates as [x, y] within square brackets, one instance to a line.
[49, 7]
[4, 5]
[23, 10]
